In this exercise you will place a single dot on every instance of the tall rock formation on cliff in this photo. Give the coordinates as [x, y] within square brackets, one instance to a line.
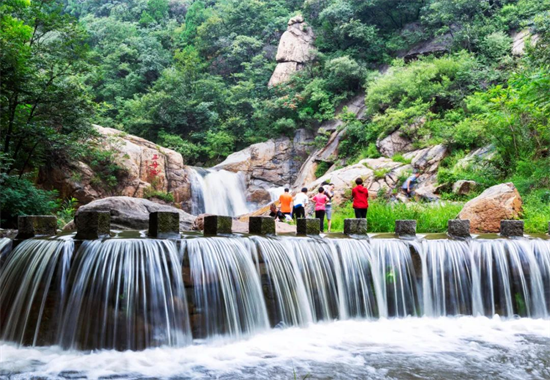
[295, 49]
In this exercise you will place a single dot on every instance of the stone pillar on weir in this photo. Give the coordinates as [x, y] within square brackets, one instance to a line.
[308, 226]
[511, 228]
[29, 226]
[164, 224]
[92, 225]
[458, 228]
[261, 225]
[217, 224]
[355, 226]
[405, 228]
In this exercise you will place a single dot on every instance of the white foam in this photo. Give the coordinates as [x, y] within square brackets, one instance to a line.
[387, 348]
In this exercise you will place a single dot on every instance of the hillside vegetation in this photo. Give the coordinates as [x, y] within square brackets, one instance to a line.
[192, 76]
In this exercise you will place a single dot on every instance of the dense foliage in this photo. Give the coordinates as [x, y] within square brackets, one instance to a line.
[192, 75]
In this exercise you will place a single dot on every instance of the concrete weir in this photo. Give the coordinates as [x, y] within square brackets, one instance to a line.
[306, 226]
[458, 228]
[164, 224]
[355, 226]
[261, 225]
[511, 228]
[92, 225]
[36, 225]
[405, 228]
[217, 224]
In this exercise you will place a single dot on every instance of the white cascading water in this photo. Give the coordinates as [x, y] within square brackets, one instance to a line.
[218, 192]
[437, 308]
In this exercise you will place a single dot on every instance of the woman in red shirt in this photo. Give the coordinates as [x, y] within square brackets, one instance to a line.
[360, 196]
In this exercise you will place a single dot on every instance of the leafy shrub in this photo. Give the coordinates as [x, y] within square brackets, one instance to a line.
[21, 197]
[66, 212]
[322, 168]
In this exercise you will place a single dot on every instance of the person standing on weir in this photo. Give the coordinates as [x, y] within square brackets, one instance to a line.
[360, 196]
[300, 203]
[320, 201]
[286, 202]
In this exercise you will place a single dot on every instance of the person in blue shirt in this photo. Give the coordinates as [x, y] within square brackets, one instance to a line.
[408, 185]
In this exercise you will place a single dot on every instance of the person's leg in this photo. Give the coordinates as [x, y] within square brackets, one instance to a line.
[357, 213]
[328, 213]
[302, 212]
[362, 213]
[320, 214]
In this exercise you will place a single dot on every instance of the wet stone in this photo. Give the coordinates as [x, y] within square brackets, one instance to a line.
[308, 226]
[217, 224]
[511, 228]
[355, 226]
[163, 224]
[261, 225]
[92, 224]
[405, 227]
[458, 228]
[36, 225]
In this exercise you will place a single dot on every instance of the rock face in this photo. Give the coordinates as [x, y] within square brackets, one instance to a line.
[464, 187]
[270, 164]
[295, 49]
[394, 143]
[519, 39]
[146, 165]
[329, 152]
[399, 141]
[129, 213]
[497, 203]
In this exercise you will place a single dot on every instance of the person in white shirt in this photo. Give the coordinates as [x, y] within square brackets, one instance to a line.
[300, 203]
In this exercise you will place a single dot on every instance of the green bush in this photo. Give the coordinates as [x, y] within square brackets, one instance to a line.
[322, 168]
[21, 197]
[150, 192]
[400, 158]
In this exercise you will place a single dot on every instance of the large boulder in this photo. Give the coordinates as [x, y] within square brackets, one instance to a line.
[129, 213]
[464, 187]
[295, 49]
[497, 203]
[145, 165]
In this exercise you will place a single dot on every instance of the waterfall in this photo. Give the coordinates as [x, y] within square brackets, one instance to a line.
[139, 293]
[217, 192]
[5, 249]
[126, 294]
[227, 293]
[33, 284]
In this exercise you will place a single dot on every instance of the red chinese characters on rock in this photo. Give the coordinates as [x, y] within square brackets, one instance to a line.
[153, 168]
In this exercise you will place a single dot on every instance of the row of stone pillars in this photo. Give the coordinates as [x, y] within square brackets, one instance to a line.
[96, 224]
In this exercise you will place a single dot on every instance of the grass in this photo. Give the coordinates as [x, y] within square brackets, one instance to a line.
[432, 218]
[536, 212]
[151, 193]
[400, 158]
[382, 215]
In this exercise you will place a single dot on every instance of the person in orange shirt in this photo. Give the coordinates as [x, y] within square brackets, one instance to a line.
[286, 202]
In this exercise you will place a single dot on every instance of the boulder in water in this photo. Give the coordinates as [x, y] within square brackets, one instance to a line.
[500, 202]
[129, 213]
